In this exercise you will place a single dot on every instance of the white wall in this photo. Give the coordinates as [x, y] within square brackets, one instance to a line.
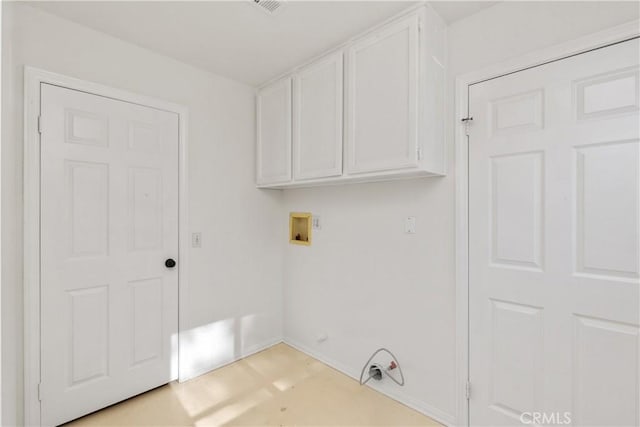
[235, 287]
[513, 28]
[364, 282]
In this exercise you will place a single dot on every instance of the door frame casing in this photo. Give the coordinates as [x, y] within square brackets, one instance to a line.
[33, 79]
[540, 57]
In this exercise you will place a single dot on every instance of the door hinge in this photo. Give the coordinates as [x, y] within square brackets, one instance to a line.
[419, 153]
[467, 390]
[40, 124]
[466, 122]
[40, 392]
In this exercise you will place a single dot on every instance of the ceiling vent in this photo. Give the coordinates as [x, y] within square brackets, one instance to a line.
[270, 7]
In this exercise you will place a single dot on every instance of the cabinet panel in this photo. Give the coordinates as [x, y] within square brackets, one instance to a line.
[274, 133]
[317, 140]
[382, 104]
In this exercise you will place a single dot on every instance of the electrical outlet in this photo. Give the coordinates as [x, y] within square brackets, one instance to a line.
[410, 225]
[196, 240]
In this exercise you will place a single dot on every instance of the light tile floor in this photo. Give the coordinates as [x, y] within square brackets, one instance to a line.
[279, 386]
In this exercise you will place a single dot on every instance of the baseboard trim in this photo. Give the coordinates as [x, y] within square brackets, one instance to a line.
[423, 408]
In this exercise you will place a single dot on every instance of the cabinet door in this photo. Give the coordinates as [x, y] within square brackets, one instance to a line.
[274, 133]
[382, 101]
[317, 124]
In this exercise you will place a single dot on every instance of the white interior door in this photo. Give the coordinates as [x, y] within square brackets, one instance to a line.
[109, 220]
[553, 273]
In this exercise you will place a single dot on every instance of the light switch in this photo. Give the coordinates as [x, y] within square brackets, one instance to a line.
[315, 222]
[410, 225]
[196, 240]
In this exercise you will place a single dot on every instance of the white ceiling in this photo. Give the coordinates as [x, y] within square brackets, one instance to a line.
[452, 11]
[235, 38]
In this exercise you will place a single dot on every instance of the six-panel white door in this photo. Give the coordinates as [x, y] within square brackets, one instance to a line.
[553, 273]
[382, 99]
[109, 219]
[273, 141]
[317, 124]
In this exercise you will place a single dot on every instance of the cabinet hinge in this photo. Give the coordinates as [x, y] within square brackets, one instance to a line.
[39, 124]
[467, 123]
[40, 392]
[419, 153]
[467, 390]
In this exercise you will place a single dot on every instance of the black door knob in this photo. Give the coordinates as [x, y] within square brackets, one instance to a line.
[170, 263]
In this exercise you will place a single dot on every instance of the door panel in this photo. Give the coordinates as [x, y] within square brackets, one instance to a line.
[88, 207]
[516, 215]
[516, 355]
[554, 241]
[146, 299]
[89, 337]
[607, 233]
[608, 93]
[145, 205]
[109, 219]
[596, 379]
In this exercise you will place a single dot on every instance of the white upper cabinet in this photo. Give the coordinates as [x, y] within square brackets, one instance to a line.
[273, 160]
[317, 119]
[382, 100]
[381, 118]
